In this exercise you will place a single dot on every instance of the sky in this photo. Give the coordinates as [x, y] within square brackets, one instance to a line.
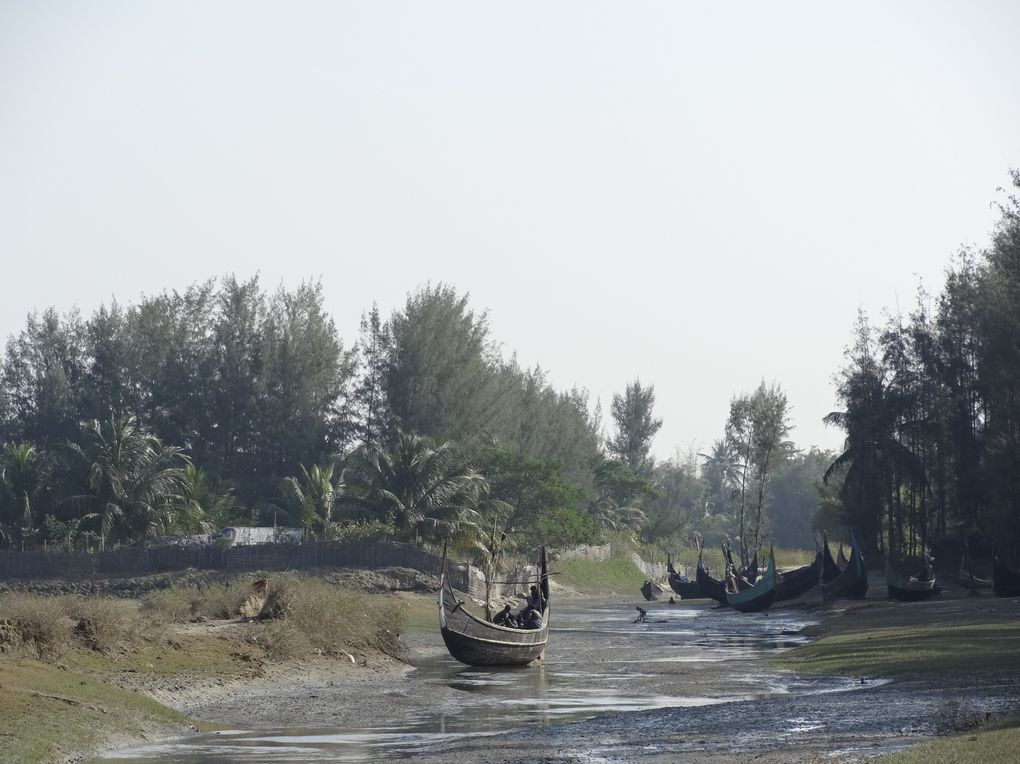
[698, 195]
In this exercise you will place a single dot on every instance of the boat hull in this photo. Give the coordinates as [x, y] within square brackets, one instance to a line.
[852, 581]
[758, 597]
[484, 651]
[799, 582]
[477, 642]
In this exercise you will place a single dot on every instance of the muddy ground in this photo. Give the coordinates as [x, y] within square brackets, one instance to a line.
[694, 683]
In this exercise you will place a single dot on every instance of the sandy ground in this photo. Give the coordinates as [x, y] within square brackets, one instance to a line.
[795, 720]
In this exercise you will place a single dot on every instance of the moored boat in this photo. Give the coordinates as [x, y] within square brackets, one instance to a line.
[906, 589]
[829, 567]
[758, 597]
[709, 586]
[794, 583]
[477, 642]
[686, 590]
[1005, 580]
[852, 581]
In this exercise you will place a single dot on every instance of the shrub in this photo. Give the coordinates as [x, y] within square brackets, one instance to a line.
[335, 620]
[100, 623]
[221, 600]
[280, 639]
[40, 623]
[170, 605]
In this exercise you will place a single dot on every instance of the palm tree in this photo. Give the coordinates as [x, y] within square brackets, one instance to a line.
[208, 502]
[876, 463]
[426, 490]
[135, 483]
[312, 500]
[24, 472]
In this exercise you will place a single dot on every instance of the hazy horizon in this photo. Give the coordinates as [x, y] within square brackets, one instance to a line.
[701, 197]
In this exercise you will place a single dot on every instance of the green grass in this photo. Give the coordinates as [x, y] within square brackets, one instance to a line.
[618, 574]
[51, 713]
[996, 742]
[888, 639]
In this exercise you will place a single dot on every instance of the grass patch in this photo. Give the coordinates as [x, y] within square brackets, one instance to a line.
[37, 624]
[618, 574]
[331, 619]
[890, 638]
[996, 742]
[51, 714]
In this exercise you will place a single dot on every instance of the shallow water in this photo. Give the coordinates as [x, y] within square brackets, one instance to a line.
[598, 661]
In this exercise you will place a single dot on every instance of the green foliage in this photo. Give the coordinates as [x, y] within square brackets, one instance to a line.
[532, 488]
[678, 506]
[441, 379]
[756, 433]
[134, 482]
[563, 527]
[795, 497]
[424, 490]
[635, 427]
[312, 499]
[24, 483]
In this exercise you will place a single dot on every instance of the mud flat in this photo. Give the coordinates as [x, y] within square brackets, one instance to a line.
[694, 681]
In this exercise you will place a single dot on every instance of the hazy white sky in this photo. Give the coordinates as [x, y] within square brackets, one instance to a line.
[697, 194]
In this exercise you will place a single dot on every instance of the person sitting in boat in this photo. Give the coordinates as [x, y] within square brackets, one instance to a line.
[505, 618]
[532, 619]
[535, 600]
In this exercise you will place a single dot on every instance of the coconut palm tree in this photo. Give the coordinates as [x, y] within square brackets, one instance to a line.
[312, 500]
[876, 463]
[208, 502]
[24, 473]
[135, 483]
[426, 490]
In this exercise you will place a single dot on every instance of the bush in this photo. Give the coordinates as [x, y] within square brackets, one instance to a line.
[170, 605]
[335, 620]
[281, 640]
[221, 600]
[39, 623]
[101, 623]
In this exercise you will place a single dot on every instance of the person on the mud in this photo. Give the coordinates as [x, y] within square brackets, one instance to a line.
[505, 618]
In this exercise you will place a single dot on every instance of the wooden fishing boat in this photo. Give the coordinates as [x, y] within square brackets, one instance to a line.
[800, 581]
[841, 560]
[1005, 580]
[686, 590]
[907, 589]
[744, 577]
[852, 581]
[829, 567]
[709, 586]
[757, 598]
[651, 590]
[478, 642]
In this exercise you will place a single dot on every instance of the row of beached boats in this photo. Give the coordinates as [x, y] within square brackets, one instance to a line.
[838, 577]
[477, 641]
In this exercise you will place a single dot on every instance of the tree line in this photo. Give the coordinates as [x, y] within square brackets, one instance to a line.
[227, 404]
[931, 407]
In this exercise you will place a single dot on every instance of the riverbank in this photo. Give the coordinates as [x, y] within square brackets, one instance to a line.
[954, 665]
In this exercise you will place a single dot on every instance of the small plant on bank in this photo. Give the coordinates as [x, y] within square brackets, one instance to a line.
[170, 605]
[39, 624]
[102, 623]
[329, 619]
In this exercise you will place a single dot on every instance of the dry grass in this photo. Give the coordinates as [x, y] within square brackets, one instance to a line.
[37, 624]
[169, 605]
[333, 620]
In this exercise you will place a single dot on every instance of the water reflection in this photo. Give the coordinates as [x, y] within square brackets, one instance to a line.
[572, 684]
